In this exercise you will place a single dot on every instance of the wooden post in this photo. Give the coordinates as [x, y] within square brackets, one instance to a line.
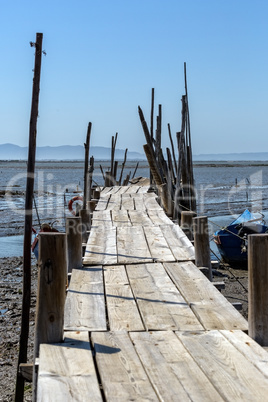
[122, 169]
[91, 205]
[258, 288]
[85, 220]
[201, 243]
[74, 242]
[85, 198]
[96, 195]
[187, 223]
[51, 293]
[90, 178]
[26, 295]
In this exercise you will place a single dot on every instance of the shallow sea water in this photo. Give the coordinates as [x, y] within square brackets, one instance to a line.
[223, 189]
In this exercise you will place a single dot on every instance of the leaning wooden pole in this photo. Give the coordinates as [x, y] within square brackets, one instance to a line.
[85, 199]
[26, 296]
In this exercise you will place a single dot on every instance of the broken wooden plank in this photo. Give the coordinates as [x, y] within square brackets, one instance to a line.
[171, 369]
[123, 313]
[85, 305]
[160, 303]
[132, 246]
[101, 246]
[66, 371]
[210, 306]
[122, 375]
[231, 373]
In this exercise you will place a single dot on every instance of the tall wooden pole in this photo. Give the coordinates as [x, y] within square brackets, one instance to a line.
[26, 297]
[85, 199]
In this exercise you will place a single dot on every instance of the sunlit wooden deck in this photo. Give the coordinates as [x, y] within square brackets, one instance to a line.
[143, 323]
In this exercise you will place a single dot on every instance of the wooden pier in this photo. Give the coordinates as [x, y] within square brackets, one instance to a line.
[142, 322]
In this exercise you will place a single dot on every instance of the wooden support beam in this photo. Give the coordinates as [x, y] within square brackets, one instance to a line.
[52, 280]
[74, 242]
[201, 242]
[258, 288]
[187, 223]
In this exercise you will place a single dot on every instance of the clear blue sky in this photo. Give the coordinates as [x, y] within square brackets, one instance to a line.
[103, 58]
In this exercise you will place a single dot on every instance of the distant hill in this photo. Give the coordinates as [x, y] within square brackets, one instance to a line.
[251, 156]
[64, 152]
[70, 152]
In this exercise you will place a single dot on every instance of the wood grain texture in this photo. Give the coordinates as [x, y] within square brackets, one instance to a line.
[171, 369]
[179, 244]
[158, 217]
[123, 313]
[101, 246]
[122, 374]
[120, 218]
[139, 218]
[160, 303]
[101, 218]
[85, 306]
[103, 201]
[231, 373]
[132, 246]
[127, 202]
[67, 372]
[249, 348]
[157, 243]
[209, 305]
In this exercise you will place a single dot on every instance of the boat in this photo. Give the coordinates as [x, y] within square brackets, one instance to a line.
[232, 240]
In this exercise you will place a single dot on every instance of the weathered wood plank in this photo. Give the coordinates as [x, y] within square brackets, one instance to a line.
[101, 246]
[150, 202]
[158, 246]
[139, 218]
[120, 218]
[179, 244]
[127, 202]
[161, 304]
[231, 373]
[105, 190]
[103, 202]
[249, 348]
[143, 189]
[210, 306]
[114, 202]
[122, 374]
[138, 200]
[158, 217]
[132, 189]
[85, 305]
[123, 313]
[132, 246]
[171, 369]
[66, 371]
[102, 218]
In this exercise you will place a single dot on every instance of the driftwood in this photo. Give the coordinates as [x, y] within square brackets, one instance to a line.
[173, 177]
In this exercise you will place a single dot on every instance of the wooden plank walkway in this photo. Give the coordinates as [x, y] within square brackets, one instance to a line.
[142, 323]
